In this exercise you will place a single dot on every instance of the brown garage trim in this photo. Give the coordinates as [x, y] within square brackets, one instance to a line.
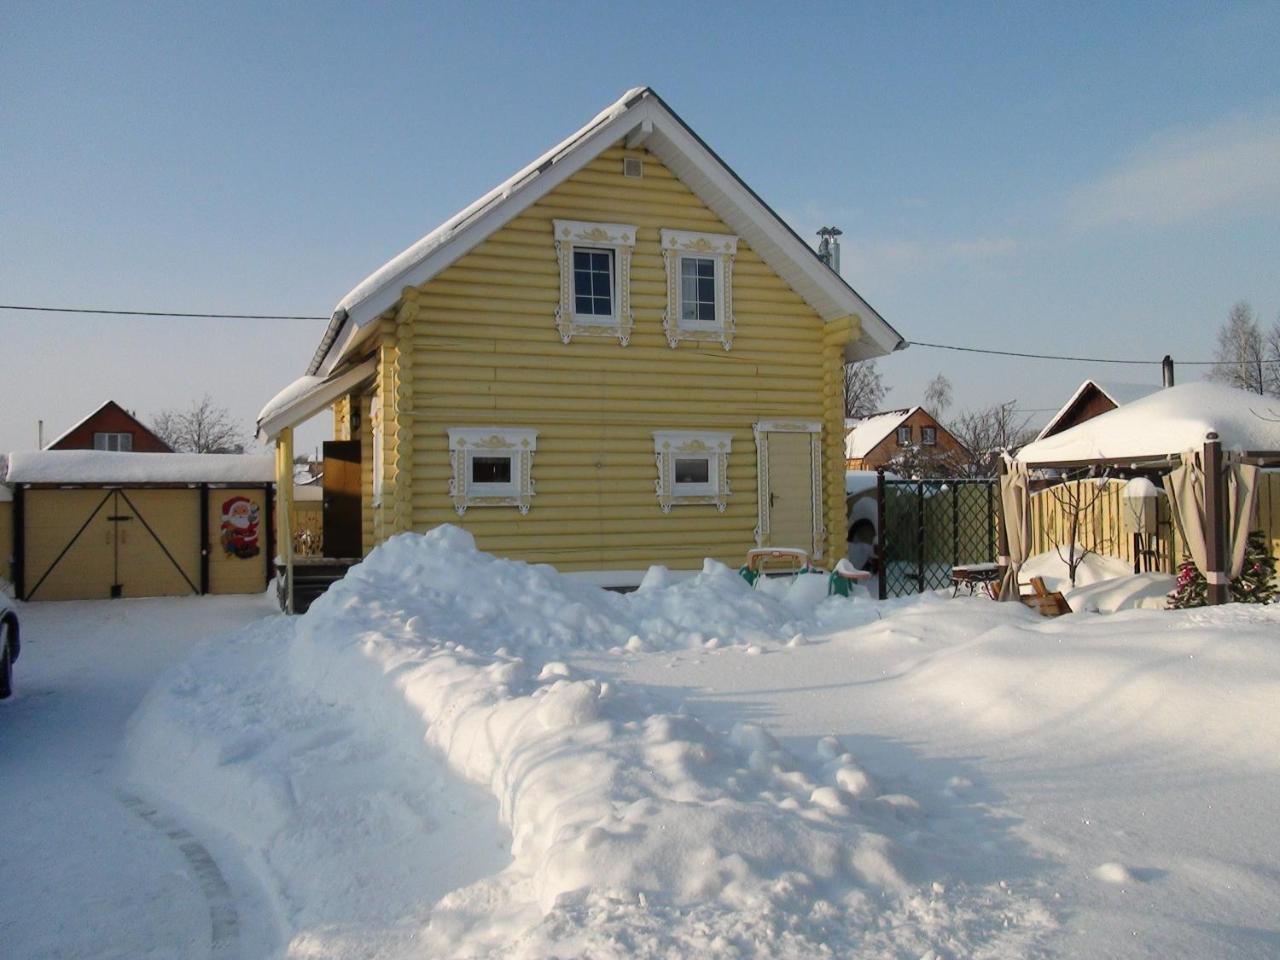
[19, 541]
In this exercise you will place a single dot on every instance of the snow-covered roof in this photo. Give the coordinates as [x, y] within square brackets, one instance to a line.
[862, 435]
[642, 114]
[101, 466]
[1167, 422]
[1117, 393]
[307, 396]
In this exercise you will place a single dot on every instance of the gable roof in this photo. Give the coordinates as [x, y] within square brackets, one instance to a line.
[1167, 421]
[644, 118]
[862, 435]
[1117, 393]
[105, 406]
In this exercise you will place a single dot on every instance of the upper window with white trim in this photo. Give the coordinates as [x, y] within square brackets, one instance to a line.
[122, 442]
[492, 467]
[595, 279]
[699, 286]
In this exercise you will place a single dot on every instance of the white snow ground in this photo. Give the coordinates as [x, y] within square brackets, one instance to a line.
[87, 868]
[698, 769]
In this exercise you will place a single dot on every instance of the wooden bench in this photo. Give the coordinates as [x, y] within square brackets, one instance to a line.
[976, 576]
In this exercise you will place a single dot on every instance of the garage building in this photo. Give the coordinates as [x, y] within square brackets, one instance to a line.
[90, 524]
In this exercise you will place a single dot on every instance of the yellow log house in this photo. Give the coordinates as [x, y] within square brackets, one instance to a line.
[619, 357]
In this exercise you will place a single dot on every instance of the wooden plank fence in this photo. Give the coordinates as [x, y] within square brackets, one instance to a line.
[1102, 526]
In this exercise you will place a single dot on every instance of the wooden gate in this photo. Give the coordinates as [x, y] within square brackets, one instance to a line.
[99, 543]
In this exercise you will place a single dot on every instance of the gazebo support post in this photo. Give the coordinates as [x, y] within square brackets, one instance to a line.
[1002, 532]
[1215, 516]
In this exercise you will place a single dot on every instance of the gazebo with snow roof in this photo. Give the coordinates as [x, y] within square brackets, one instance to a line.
[1206, 441]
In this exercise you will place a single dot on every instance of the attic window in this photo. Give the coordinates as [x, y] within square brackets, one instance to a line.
[632, 167]
[904, 436]
[113, 441]
[699, 286]
[929, 436]
[595, 279]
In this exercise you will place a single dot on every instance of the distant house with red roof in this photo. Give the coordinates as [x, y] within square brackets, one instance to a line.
[110, 427]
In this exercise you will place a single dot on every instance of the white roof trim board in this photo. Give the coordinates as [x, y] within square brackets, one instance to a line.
[864, 435]
[307, 396]
[1117, 393]
[104, 467]
[685, 154]
[1167, 422]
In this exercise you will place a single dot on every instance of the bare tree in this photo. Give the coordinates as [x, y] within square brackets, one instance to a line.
[937, 396]
[985, 434]
[1076, 501]
[1242, 352]
[203, 427]
[864, 389]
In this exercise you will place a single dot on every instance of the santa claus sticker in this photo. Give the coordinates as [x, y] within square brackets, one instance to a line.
[240, 527]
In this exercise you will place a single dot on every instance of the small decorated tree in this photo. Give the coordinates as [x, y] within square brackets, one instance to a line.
[1256, 583]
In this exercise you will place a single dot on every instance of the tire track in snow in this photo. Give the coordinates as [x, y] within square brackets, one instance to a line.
[224, 920]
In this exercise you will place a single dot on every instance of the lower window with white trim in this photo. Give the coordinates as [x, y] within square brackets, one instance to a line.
[492, 467]
[693, 467]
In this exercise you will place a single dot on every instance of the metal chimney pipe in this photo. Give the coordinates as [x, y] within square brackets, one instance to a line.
[1166, 369]
[39, 434]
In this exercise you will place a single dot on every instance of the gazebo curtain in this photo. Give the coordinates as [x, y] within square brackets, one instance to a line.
[1015, 504]
[1185, 486]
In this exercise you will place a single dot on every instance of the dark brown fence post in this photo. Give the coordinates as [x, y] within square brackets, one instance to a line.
[881, 535]
[1215, 515]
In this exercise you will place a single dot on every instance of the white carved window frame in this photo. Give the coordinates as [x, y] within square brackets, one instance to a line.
[516, 443]
[620, 238]
[762, 430]
[712, 445]
[678, 245]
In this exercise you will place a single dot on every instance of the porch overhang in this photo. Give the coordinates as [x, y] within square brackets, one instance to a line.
[307, 396]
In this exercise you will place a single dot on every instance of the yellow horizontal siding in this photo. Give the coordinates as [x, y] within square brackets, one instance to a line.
[478, 345]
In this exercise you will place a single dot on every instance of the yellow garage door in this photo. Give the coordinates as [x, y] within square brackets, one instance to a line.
[239, 523]
[94, 544]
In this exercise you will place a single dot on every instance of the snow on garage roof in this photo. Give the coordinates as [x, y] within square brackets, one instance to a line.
[863, 434]
[1167, 422]
[101, 466]
[642, 114]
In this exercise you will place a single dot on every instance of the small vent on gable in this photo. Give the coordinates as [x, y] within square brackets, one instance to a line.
[632, 167]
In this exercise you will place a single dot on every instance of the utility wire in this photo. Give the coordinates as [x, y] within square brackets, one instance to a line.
[1053, 356]
[914, 343]
[164, 313]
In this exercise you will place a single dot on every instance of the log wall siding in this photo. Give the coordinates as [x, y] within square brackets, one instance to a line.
[478, 346]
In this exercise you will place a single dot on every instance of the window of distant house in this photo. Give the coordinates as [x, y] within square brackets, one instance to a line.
[904, 436]
[595, 279]
[699, 286]
[122, 442]
[492, 467]
[929, 436]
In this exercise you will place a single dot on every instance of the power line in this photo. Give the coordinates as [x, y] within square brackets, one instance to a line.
[1053, 356]
[163, 313]
[914, 343]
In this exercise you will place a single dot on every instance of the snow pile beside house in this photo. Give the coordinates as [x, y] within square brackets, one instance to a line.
[631, 832]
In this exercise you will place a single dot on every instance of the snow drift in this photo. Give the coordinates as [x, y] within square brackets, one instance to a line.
[632, 832]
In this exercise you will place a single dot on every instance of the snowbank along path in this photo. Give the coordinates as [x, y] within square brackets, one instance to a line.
[413, 769]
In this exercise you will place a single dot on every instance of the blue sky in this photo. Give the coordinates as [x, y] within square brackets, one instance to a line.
[1103, 179]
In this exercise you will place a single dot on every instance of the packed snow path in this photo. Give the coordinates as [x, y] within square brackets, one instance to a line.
[84, 872]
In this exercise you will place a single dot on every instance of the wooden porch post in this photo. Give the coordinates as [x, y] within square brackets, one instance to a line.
[1215, 521]
[1002, 532]
[284, 510]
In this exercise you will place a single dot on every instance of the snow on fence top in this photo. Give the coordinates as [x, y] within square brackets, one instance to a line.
[1167, 422]
[101, 466]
